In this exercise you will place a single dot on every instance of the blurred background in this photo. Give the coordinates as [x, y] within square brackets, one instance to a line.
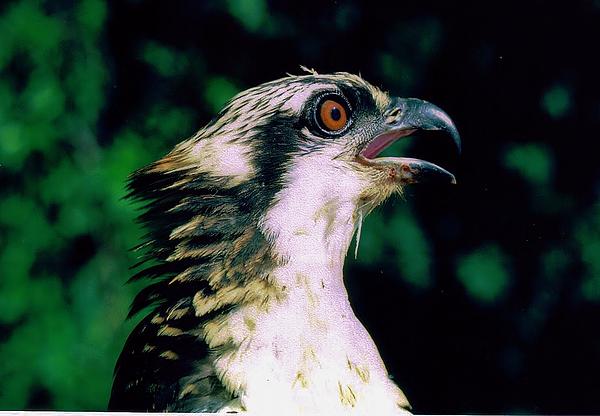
[483, 297]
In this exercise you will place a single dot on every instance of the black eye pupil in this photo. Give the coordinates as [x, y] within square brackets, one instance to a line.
[336, 114]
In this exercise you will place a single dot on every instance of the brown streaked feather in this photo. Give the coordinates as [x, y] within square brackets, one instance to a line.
[201, 238]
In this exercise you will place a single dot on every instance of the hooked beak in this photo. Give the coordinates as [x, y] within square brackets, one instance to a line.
[405, 116]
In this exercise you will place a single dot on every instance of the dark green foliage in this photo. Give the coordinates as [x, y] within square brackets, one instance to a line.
[490, 289]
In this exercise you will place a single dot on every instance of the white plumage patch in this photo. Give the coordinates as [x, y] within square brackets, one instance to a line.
[298, 100]
[221, 157]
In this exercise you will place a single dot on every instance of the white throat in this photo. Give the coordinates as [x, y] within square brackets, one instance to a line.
[312, 221]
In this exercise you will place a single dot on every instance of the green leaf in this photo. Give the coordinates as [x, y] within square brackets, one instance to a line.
[218, 91]
[587, 236]
[15, 263]
[412, 249]
[169, 123]
[164, 60]
[557, 101]
[85, 84]
[44, 97]
[91, 14]
[484, 274]
[27, 27]
[13, 147]
[532, 161]
[252, 14]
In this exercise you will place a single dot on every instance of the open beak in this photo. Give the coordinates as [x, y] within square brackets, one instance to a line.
[403, 117]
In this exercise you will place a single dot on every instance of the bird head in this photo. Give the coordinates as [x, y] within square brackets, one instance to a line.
[335, 126]
[286, 170]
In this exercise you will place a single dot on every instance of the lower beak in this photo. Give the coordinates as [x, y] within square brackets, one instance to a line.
[403, 117]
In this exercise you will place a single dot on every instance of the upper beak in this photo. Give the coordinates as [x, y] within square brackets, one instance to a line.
[403, 117]
[413, 113]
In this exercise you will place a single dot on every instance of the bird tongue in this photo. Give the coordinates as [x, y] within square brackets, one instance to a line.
[378, 144]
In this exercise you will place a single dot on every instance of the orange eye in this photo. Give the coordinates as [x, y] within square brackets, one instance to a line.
[332, 115]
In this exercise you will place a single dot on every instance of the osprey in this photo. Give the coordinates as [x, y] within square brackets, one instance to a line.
[249, 222]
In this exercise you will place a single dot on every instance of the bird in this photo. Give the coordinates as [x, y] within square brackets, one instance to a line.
[248, 225]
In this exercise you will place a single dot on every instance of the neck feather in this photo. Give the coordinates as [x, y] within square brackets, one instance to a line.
[312, 221]
[202, 240]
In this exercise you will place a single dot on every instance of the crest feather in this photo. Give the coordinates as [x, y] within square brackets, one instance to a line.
[310, 71]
